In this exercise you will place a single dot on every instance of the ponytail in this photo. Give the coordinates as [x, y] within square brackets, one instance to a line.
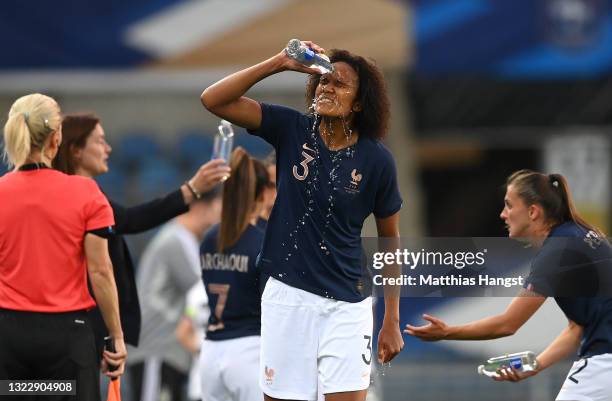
[568, 211]
[238, 199]
[17, 140]
[31, 119]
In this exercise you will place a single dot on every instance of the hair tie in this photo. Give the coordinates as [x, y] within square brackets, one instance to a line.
[26, 116]
[553, 181]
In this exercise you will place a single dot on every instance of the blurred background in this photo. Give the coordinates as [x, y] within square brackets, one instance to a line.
[479, 88]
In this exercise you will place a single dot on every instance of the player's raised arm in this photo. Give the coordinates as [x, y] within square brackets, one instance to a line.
[226, 99]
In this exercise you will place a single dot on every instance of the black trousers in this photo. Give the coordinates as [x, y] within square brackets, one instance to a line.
[49, 346]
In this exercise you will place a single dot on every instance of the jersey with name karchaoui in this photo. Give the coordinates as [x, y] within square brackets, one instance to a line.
[313, 237]
[575, 266]
[231, 280]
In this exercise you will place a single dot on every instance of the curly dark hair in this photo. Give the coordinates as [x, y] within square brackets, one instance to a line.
[373, 119]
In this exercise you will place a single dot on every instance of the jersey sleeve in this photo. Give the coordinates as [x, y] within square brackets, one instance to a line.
[276, 122]
[98, 212]
[544, 270]
[388, 197]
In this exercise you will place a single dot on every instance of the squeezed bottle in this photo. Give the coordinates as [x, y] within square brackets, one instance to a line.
[308, 57]
[224, 141]
[522, 361]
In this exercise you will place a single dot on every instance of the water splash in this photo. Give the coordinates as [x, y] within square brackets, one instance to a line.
[313, 181]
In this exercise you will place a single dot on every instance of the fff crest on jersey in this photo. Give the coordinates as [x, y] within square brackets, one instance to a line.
[355, 180]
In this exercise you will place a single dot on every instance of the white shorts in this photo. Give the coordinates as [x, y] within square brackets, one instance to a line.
[229, 369]
[589, 379]
[308, 340]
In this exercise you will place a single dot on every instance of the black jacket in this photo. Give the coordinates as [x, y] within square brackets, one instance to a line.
[133, 220]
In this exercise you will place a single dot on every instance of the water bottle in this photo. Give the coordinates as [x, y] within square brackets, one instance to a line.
[224, 140]
[308, 57]
[522, 361]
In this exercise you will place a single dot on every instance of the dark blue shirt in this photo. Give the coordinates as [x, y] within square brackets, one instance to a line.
[231, 280]
[574, 266]
[261, 224]
[313, 237]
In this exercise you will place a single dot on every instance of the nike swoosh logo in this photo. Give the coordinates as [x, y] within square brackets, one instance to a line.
[304, 146]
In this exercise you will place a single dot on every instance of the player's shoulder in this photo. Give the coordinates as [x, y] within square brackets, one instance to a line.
[376, 150]
[282, 112]
[254, 234]
[569, 229]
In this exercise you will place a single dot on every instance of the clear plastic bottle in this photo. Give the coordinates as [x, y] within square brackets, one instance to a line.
[224, 141]
[308, 57]
[522, 361]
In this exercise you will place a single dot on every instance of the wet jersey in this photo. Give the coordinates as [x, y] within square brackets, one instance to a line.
[313, 237]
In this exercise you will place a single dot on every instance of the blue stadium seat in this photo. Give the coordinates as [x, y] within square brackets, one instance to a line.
[134, 149]
[157, 177]
[193, 148]
[114, 184]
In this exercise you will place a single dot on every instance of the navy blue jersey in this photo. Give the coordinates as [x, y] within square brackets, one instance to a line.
[261, 224]
[232, 283]
[313, 237]
[574, 266]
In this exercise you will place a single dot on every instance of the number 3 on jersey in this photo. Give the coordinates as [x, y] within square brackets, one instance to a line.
[307, 159]
[221, 290]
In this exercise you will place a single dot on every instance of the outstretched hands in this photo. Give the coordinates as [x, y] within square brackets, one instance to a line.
[434, 331]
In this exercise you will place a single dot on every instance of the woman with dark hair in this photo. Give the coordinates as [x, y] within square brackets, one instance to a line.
[53, 237]
[85, 152]
[229, 360]
[573, 265]
[333, 172]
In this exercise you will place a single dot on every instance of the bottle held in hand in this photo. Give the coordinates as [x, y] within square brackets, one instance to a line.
[224, 141]
[308, 57]
[522, 361]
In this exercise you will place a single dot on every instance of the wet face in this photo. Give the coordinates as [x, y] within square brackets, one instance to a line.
[517, 215]
[336, 93]
[92, 159]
